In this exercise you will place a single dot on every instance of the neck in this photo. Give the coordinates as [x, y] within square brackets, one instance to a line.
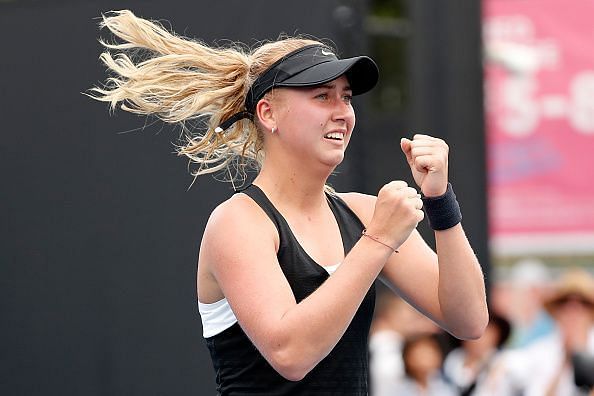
[293, 185]
[422, 380]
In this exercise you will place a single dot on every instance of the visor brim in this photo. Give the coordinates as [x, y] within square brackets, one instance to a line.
[361, 71]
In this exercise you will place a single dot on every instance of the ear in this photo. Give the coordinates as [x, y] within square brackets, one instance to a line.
[265, 113]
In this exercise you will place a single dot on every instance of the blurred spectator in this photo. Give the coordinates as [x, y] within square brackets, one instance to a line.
[394, 321]
[423, 359]
[546, 367]
[472, 367]
[530, 281]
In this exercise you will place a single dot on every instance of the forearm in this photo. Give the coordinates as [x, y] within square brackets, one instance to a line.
[308, 331]
[461, 286]
[460, 305]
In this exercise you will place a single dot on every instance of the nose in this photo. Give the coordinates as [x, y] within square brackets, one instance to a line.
[343, 111]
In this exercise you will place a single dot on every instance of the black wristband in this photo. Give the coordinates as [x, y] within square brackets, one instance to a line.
[443, 212]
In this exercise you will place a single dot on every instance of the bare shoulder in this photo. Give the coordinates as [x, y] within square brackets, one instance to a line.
[239, 241]
[236, 219]
[362, 204]
[239, 207]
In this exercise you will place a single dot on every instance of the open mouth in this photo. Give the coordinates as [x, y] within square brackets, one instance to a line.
[334, 136]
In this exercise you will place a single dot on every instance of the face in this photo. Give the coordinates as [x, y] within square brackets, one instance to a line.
[572, 310]
[574, 317]
[315, 122]
[423, 359]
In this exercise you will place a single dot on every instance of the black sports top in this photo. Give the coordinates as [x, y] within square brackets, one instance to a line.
[241, 369]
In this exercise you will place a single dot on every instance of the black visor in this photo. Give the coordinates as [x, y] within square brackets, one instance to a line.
[306, 67]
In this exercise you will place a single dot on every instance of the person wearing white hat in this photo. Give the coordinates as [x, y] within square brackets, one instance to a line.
[548, 366]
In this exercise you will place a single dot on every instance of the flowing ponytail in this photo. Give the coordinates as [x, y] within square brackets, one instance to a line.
[186, 82]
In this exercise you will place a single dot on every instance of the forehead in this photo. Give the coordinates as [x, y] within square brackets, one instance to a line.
[284, 95]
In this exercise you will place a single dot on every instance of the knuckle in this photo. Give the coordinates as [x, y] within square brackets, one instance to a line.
[420, 215]
[401, 183]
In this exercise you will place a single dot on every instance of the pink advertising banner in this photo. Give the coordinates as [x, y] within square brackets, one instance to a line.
[539, 103]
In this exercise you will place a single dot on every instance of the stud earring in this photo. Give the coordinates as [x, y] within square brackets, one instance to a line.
[273, 130]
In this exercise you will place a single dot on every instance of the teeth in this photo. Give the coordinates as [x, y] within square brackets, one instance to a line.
[334, 135]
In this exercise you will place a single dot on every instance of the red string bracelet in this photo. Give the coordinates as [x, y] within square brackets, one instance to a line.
[364, 233]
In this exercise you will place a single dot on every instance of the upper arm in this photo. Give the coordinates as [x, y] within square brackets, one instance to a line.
[413, 273]
[239, 249]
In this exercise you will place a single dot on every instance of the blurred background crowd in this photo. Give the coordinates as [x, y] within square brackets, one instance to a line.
[539, 341]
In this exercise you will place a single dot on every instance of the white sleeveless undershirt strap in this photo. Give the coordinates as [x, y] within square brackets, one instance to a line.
[331, 268]
[218, 316]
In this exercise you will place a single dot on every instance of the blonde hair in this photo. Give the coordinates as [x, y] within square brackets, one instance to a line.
[186, 82]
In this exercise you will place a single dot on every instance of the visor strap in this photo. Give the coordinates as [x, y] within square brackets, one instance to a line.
[232, 120]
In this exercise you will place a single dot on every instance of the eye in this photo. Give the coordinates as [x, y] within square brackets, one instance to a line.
[322, 96]
[347, 98]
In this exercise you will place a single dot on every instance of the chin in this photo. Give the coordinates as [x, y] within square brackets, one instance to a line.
[333, 161]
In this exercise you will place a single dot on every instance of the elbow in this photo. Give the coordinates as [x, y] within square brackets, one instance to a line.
[472, 333]
[474, 329]
[289, 364]
[291, 373]
[291, 356]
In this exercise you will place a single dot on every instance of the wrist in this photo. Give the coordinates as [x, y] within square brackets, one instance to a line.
[442, 211]
[435, 193]
[378, 240]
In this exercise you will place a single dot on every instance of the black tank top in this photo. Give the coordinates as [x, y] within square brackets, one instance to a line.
[241, 369]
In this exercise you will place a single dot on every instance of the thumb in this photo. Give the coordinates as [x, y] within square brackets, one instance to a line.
[406, 147]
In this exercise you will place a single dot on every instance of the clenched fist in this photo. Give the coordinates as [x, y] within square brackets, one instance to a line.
[398, 210]
[428, 160]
